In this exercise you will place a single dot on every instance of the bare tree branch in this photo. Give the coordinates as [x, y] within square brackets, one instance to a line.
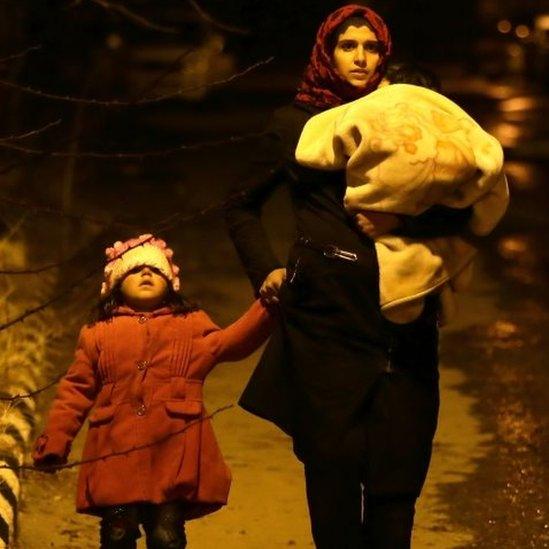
[151, 86]
[22, 161]
[9, 167]
[129, 155]
[14, 398]
[136, 103]
[46, 468]
[20, 54]
[160, 227]
[49, 210]
[49, 302]
[214, 22]
[31, 132]
[163, 226]
[79, 253]
[134, 17]
[64, 293]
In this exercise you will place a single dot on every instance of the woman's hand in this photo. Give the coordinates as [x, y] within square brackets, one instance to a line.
[376, 224]
[271, 286]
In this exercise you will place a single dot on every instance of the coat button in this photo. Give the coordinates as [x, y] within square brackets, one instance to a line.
[141, 409]
[142, 364]
[142, 319]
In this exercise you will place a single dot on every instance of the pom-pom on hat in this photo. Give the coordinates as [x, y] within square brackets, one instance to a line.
[145, 250]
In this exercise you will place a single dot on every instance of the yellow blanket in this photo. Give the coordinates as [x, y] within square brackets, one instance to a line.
[405, 149]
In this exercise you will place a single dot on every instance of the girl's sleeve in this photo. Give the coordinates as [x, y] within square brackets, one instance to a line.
[75, 397]
[242, 337]
[244, 207]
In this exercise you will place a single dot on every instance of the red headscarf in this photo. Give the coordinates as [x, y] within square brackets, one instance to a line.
[321, 85]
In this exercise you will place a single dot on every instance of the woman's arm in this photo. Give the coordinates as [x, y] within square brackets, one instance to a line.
[244, 208]
[75, 397]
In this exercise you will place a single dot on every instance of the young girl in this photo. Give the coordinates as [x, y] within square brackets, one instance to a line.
[142, 366]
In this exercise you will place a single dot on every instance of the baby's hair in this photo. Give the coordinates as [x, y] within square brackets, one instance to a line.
[407, 72]
[104, 310]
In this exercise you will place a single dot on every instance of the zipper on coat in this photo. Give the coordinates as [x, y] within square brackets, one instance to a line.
[293, 273]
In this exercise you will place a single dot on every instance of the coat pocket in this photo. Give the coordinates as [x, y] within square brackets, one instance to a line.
[183, 408]
[103, 414]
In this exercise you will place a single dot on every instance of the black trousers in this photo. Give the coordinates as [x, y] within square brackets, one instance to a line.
[163, 523]
[344, 516]
[370, 502]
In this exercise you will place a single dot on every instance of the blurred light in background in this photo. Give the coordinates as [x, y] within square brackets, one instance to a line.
[504, 26]
[513, 247]
[507, 134]
[204, 65]
[518, 104]
[522, 31]
[113, 41]
[521, 176]
[517, 57]
[523, 262]
[542, 22]
[505, 334]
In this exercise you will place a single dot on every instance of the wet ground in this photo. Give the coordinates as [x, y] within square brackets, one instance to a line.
[503, 352]
[487, 486]
[504, 359]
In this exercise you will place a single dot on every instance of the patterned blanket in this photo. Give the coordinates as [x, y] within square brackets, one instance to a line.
[406, 149]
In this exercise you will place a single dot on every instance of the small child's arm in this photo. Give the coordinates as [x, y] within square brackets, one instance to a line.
[75, 396]
[242, 337]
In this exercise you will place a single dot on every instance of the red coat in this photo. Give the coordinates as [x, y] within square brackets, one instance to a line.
[144, 373]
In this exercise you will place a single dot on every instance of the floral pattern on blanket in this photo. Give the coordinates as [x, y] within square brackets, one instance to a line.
[406, 149]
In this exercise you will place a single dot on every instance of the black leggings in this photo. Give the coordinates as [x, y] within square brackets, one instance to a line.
[343, 518]
[163, 523]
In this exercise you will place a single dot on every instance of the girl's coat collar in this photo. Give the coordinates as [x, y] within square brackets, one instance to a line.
[124, 310]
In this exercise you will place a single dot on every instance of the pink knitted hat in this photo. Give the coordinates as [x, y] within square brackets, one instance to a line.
[138, 252]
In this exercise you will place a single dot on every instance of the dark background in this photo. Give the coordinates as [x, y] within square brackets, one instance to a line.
[492, 57]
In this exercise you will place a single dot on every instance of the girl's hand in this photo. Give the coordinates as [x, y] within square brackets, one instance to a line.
[271, 286]
[49, 463]
[376, 224]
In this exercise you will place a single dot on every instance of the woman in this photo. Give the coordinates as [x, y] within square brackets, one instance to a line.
[362, 413]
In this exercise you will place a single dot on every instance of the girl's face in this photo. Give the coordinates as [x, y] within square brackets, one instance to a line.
[144, 288]
[356, 55]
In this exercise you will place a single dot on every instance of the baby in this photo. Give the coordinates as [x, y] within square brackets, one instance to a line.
[407, 148]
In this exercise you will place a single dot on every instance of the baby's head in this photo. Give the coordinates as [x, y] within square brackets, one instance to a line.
[400, 72]
[140, 273]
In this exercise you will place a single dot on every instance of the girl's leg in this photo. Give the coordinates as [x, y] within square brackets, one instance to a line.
[164, 525]
[389, 521]
[119, 527]
[334, 496]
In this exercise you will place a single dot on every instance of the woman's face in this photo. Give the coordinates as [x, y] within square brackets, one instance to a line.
[144, 288]
[356, 55]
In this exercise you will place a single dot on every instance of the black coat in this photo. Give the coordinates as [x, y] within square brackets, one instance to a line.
[317, 377]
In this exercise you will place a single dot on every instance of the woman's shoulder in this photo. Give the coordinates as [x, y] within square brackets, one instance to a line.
[292, 115]
[287, 123]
